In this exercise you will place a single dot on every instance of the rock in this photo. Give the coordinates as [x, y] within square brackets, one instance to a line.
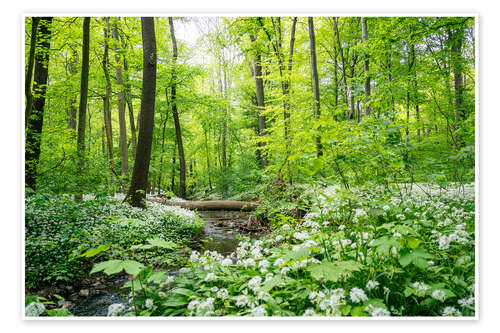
[253, 223]
[84, 292]
[66, 304]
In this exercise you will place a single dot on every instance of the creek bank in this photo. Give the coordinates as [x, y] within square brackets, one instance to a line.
[93, 295]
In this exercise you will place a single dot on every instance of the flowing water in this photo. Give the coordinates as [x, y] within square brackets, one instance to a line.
[219, 235]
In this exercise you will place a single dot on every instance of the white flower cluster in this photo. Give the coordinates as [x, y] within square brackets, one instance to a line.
[357, 295]
[34, 309]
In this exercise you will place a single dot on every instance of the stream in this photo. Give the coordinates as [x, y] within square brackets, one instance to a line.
[218, 235]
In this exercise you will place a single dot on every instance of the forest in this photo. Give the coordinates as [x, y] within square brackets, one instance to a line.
[250, 166]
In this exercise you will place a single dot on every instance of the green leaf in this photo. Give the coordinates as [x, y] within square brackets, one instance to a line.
[176, 301]
[158, 242]
[158, 277]
[96, 251]
[132, 267]
[333, 271]
[270, 284]
[358, 312]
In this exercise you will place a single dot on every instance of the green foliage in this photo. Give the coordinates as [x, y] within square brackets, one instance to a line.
[62, 235]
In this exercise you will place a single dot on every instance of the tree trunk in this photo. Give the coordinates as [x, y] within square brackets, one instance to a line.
[29, 69]
[128, 99]
[72, 111]
[121, 104]
[175, 114]
[456, 38]
[259, 87]
[84, 86]
[341, 51]
[364, 38]
[35, 119]
[137, 193]
[106, 101]
[245, 206]
[314, 71]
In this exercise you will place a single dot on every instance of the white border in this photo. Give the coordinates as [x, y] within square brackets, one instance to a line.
[316, 14]
[490, 117]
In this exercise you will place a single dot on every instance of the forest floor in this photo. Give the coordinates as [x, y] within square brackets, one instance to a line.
[404, 252]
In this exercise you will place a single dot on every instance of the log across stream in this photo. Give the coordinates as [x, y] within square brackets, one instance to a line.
[222, 205]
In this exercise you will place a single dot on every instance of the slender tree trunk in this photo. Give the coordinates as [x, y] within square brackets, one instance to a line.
[29, 69]
[121, 104]
[164, 127]
[314, 70]
[137, 193]
[341, 52]
[208, 159]
[72, 111]
[175, 114]
[364, 33]
[128, 98]
[286, 85]
[457, 37]
[174, 161]
[35, 119]
[259, 87]
[84, 87]
[106, 100]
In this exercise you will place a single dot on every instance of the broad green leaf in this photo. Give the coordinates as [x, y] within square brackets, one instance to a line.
[93, 252]
[132, 267]
[158, 242]
[270, 284]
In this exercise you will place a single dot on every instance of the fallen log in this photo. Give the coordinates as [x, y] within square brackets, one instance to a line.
[244, 206]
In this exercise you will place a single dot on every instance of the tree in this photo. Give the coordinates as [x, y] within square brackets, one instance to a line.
[259, 87]
[29, 69]
[175, 114]
[314, 71]
[121, 103]
[35, 119]
[84, 86]
[137, 192]
[106, 100]
[364, 37]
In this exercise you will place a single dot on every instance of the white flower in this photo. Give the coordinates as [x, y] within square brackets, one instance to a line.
[194, 256]
[301, 235]
[34, 309]
[115, 309]
[466, 301]
[386, 208]
[264, 263]
[451, 311]
[193, 305]
[372, 284]
[309, 313]
[285, 270]
[439, 295]
[377, 312]
[149, 303]
[222, 293]
[279, 262]
[259, 311]
[358, 295]
[210, 277]
[278, 238]
[214, 289]
[226, 262]
[420, 286]
[397, 235]
[242, 301]
[254, 283]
